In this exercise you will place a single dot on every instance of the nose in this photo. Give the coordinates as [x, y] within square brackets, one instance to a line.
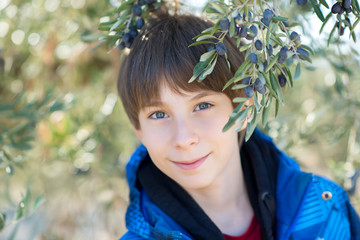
[184, 135]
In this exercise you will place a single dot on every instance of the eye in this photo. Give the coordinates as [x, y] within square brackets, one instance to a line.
[203, 106]
[158, 115]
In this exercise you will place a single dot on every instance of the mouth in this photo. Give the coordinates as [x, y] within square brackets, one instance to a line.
[190, 165]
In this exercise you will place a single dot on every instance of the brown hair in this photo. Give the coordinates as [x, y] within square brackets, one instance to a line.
[161, 53]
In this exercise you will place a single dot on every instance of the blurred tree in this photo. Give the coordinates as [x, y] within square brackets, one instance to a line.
[67, 144]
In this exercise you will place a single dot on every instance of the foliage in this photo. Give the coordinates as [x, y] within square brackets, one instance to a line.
[55, 141]
[264, 72]
[17, 121]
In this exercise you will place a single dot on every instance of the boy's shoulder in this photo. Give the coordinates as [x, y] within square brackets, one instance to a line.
[130, 236]
[315, 206]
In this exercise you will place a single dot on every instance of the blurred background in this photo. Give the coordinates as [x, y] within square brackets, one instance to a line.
[65, 139]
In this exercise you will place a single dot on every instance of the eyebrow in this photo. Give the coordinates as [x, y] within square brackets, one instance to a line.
[158, 103]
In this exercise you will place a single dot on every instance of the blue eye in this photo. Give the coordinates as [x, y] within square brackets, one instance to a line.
[158, 115]
[203, 106]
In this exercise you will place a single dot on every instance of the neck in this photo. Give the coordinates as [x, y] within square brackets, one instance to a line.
[226, 201]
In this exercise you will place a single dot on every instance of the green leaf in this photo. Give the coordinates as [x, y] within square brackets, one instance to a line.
[276, 40]
[204, 57]
[104, 28]
[317, 10]
[198, 69]
[2, 222]
[216, 8]
[310, 68]
[234, 80]
[294, 24]
[277, 106]
[297, 71]
[272, 62]
[238, 107]
[355, 24]
[239, 86]
[238, 42]
[124, 5]
[306, 47]
[26, 199]
[206, 31]
[242, 67]
[232, 27]
[290, 75]
[108, 22]
[245, 47]
[201, 42]
[39, 201]
[323, 2]
[352, 34]
[256, 103]
[216, 28]
[306, 58]
[116, 25]
[279, 18]
[208, 70]
[355, 5]
[88, 38]
[112, 42]
[202, 34]
[204, 37]
[237, 118]
[227, 62]
[275, 85]
[325, 21]
[274, 27]
[268, 85]
[251, 126]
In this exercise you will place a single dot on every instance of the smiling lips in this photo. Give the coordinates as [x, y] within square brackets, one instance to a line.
[191, 164]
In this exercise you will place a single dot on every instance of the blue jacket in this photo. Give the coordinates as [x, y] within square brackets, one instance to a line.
[307, 206]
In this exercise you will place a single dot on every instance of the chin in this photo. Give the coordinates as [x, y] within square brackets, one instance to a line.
[195, 182]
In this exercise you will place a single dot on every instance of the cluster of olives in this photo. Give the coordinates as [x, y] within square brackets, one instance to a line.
[256, 85]
[341, 7]
[136, 23]
[241, 31]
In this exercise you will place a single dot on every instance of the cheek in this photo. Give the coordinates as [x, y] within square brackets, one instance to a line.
[153, 136]
[213, 124]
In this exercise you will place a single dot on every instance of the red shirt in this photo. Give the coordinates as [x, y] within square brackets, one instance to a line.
[252, 233]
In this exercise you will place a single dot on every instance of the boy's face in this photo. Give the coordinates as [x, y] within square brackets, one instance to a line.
[184, 138]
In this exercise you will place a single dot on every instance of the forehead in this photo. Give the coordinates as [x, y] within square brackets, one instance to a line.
[167, 93]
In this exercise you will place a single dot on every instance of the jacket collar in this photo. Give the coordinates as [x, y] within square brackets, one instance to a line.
[134, 218]
[292, 187]
[288, 202]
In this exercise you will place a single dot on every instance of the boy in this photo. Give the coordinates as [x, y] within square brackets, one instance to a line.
[190, 180]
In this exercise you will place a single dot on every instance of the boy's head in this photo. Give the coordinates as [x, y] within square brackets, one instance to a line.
[161, 54]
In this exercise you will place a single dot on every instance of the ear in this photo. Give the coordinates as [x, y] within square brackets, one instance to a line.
[138, 132]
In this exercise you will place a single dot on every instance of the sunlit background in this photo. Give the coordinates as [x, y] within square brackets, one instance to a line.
[64, 137]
